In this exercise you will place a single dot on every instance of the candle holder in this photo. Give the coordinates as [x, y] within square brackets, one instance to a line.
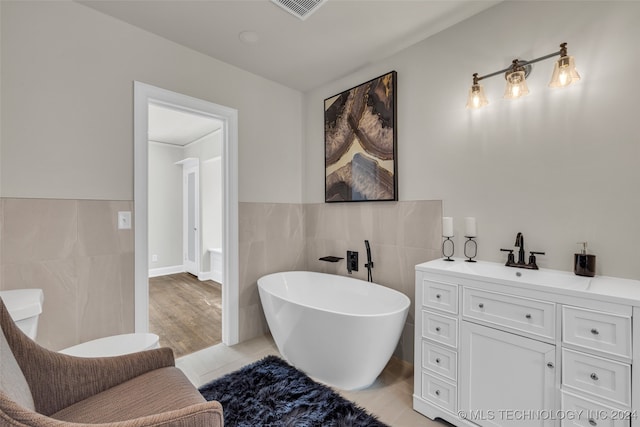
[448, 243]
[470, 245]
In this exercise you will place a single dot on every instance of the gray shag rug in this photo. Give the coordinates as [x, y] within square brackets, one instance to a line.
[270, 392]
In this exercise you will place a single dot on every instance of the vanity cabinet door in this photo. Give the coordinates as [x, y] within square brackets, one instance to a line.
[505, 379]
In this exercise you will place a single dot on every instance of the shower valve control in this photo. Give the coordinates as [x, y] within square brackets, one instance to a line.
[352, 261]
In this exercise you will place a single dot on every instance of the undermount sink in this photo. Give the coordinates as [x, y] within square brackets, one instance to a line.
[541, 277]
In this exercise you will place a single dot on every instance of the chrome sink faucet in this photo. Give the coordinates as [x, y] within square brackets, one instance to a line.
[532, 265]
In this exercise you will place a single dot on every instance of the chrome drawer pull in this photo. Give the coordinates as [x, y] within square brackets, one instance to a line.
[528, 316]
[594, 331]
[594, 376]
[592, 422]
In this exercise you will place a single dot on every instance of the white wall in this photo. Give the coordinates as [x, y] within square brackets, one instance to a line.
[165, 205]
[70, 69]
[561, 166]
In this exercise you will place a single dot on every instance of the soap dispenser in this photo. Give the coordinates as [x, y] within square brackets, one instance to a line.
[584, 265]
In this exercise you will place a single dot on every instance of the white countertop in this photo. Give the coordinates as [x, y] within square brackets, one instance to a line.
[612, 289]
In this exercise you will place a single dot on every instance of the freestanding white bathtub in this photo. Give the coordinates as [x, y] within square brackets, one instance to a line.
[339, 330]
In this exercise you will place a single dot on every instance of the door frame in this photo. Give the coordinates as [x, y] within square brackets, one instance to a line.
[143, 94]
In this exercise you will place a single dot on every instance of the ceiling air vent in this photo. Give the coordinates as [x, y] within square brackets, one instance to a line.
[300, 8]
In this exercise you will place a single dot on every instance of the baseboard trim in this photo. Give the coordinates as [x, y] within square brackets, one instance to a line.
[216, 276]
[164, 271]
[175, 269]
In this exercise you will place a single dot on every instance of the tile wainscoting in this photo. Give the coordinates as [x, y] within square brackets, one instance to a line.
[401, 235]
[281, 237]
[271, 239]
[75, 252]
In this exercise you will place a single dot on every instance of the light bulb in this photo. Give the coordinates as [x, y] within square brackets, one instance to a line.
[563, 78]
[516, 85]
[564, 72]
[476, 98]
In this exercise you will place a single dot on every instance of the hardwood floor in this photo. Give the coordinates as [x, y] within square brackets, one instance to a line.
[185, 313]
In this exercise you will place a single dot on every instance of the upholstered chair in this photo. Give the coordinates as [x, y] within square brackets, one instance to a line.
[39, 387]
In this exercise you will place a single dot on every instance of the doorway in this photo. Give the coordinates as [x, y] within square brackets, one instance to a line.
[184, 219]
[144, 95]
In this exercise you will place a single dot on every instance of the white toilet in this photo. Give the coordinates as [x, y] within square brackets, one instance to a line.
[25, 306]
[115, 345]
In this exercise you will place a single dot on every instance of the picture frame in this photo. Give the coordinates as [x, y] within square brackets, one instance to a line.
[360, 137]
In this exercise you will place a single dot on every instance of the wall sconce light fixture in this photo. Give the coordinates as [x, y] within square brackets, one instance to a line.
[564, 74]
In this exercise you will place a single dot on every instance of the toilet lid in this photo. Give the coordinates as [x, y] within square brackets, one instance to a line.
[115, 345]
[23, 303]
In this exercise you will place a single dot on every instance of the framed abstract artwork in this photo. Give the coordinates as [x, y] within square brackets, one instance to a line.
[360, 142]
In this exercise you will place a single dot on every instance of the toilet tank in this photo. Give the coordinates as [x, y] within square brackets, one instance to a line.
[25, 306]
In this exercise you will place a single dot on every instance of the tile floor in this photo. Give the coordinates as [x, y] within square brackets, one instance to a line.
[389, 397]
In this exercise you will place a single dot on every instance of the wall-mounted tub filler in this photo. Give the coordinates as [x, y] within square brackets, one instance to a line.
[352, 261]
[330, 258]
[369, 264]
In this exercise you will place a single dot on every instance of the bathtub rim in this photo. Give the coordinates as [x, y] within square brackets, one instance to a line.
[404, 308]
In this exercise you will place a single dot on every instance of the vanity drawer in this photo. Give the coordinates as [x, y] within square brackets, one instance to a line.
[439, 392]
[440, 328]
[595, 330]
[440, 296]
[581, 412]
[440, 360]
[523, 314]
[597, 376]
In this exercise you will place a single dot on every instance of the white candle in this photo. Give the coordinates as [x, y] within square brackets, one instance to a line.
[470, 227]
[447, 226]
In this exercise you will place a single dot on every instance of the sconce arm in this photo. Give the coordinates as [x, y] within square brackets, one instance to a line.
[523, 63]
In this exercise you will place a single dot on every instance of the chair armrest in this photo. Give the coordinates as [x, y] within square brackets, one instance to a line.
[63, 380]
[208, 414]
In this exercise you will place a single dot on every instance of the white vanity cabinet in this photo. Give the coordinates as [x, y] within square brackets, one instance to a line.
[498, 346]
[500, 371]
